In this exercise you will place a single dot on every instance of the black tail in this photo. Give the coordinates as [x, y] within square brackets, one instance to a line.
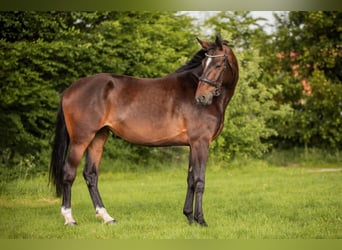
[59, 152]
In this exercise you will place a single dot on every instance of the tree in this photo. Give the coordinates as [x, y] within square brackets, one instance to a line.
[247, 123]
[307, 64]
[42, 53]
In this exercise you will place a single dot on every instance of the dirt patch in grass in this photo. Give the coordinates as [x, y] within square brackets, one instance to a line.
[323, 170]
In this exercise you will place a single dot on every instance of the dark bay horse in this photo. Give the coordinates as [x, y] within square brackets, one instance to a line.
[186, 108]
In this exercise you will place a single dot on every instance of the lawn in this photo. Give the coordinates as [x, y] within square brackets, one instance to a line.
[257, 201]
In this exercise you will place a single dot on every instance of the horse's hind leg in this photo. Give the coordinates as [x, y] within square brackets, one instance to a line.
[91, 170]
[74, 158]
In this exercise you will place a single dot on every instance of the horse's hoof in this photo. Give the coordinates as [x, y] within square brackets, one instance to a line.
[201, 222]
[190, 218]
[71, 224]
[111, 222]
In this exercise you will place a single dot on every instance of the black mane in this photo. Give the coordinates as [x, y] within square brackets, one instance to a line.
[193, 63]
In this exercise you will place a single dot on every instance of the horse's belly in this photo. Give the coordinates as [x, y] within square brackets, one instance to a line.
[151, 134]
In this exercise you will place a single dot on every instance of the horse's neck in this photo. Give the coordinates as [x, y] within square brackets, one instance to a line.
[224, 99]
[188, 78]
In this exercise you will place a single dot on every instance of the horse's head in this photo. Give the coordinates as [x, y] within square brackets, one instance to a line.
[217, 70]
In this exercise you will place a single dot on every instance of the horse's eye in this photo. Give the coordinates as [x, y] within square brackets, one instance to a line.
[218, 66]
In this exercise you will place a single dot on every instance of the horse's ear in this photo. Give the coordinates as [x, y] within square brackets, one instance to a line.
[205, 45]
[219, 41]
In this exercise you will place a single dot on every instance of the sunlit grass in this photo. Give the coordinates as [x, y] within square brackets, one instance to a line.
[256, 201]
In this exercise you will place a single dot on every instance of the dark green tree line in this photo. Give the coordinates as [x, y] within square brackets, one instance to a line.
[247, 130]
[305, 58]
[289, 92]
[42, 53]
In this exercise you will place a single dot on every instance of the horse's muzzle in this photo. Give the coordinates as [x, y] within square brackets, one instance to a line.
[204, 99]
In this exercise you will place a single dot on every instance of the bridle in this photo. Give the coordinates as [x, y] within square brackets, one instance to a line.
[218, 82]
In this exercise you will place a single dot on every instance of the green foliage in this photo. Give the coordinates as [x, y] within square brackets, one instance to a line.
[28, 99]
[318, 38]
[289, 92]
[44, 52]
[313, 158]
[307, 64]
[241, 27]
[319, 121]
[247, 129]
[122, 156]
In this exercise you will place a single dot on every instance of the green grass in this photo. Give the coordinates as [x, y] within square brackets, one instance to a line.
[257, 201]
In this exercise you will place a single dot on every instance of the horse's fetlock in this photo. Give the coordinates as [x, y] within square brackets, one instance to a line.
[199, 186]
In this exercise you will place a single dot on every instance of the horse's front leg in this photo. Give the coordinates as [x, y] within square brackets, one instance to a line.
[189, 199]
[196, 181]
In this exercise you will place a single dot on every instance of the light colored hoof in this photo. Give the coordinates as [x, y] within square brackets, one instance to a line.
[102, 213]
[111, 222]
[69, 220]
[70, 224]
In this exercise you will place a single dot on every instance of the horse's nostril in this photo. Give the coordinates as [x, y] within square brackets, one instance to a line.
[200, 99]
